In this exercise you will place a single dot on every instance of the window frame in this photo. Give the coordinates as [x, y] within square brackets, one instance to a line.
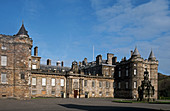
[135, 84]
[135, 72]
[34, 79]
[34, 66]
[2, 76]
[43, 81]
[53, 81]
[4, 60]
[127, 85]
[62, 82]
[100, 84]
[119, 74]
[93, 84]
[85, 83]
[127, 72]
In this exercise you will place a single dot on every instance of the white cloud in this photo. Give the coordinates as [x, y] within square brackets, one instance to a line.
[146, 25]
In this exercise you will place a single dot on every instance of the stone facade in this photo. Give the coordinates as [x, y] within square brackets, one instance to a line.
[23, 77]
[129, 74]
[15, 65]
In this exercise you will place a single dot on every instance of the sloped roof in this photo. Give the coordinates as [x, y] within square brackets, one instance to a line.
[136, 52]
[49, 67]
[23, 31]
[151, 56]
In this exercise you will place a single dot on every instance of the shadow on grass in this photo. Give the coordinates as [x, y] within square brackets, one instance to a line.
[103, 108]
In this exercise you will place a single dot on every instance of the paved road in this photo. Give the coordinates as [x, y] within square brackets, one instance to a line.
[92, 104]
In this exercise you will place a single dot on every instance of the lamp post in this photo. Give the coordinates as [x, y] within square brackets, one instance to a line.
[79, 85]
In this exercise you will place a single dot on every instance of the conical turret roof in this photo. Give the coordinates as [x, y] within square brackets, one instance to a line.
[136, 52]
[152, 56]
[22, 31]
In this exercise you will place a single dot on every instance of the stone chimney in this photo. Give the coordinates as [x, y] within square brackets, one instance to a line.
[48, 62]
[85, 61]
[36, 51]
[109, 58]
[58, 63]
[114, 59]
[98, 59]
[80, 64]
[62, 63]
[131, 53]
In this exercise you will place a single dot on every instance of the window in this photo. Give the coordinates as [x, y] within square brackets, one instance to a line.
[119, 85]
[127, 72]
[33, 81]
[53, 82]
[113, 74]
[100, 84]
[3, 78]
[127, 85]
[93, 94]
[85, 83]
[135, 84]
[3, 60]
[62, 82]
[43, 81]
[34, 92]
[107, 93]
[107, 84]
[106, 73]
[100, 93]
[119, 73]
[135, 72]
[34, 66]
[22, 76]
[29, 64]
[3, 48]
[53, 92]
[93, 84]
[114, 85]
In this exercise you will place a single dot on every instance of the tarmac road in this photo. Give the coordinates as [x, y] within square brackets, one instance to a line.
[70, 104]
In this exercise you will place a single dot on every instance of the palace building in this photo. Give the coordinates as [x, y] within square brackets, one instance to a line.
[23, 76]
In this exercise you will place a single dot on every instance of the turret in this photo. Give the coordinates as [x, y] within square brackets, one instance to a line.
[136, 53]
[22, 32]
[152, 56]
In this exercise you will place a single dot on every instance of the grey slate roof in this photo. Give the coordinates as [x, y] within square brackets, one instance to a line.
[57, 68]
[22, 31]
[136, 52]
[152, 56]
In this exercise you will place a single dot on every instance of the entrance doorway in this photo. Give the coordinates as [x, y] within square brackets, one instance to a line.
[75, 93]
[86, 95]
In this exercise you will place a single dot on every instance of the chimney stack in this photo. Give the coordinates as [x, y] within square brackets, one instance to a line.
[98, 59]
[109, 58]
[131, 53]
[48, 62]
[80, 64]
[85, 61]
[36, 51]
[58, 63]
[114, 60]
[62, 63]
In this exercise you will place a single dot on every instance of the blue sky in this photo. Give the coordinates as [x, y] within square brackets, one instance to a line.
[67, 29]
